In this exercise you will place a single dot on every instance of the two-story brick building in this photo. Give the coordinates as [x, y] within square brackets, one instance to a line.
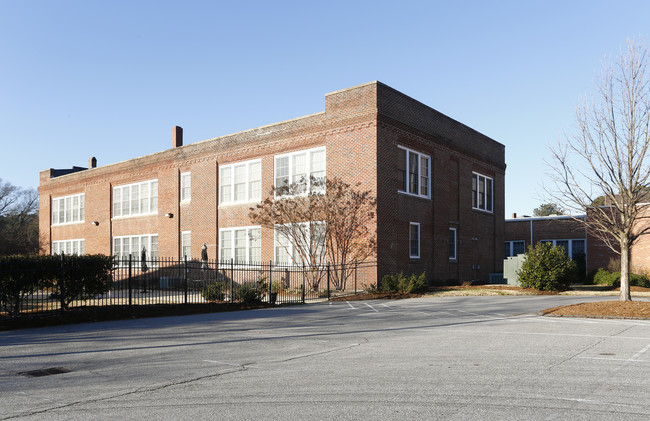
[439, 187]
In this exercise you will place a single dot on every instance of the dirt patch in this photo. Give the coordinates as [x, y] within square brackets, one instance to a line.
[603, 309]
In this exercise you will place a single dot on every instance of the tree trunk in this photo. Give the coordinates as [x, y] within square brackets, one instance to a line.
[625, 272]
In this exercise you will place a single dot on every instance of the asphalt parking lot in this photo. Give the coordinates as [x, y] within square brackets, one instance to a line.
[446, 358]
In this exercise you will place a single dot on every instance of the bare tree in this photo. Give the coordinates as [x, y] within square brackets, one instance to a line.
[607, 157]
[18, 220]
[332, 225]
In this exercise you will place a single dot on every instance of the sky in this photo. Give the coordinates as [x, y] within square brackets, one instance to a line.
[111, 78]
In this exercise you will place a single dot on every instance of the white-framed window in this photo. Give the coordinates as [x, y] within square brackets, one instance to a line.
[575, 248]
[514, 248]
[68, 209]
[305, 169]
[287, 252]
[453, 244]
[186, 245]
[126, 245]
[482, 192]
[413, 172]
[241, 244]
[135, 199]
[240, 182]
[76, 246]
[414, 240]
[186, 187]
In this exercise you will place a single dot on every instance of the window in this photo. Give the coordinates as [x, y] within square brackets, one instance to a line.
[413, 172]
[242, 244]
[186, 187]
[186, 245]
[241, 182]
[135, 199]
[133, 245]
[304, 169]
[514, 248]
[482, 188]
[414, 240]
[288, 253]
[452, 244]
[574, 248]
[69, 247]
[68, 209]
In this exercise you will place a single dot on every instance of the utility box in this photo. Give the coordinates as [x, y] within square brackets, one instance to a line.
[511, 266]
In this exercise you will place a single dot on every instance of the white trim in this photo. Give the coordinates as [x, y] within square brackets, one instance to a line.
[511, 247]
[247, 190]
[543, 218]
[80, 210]
[491, 201]
[232, 230]
[308, 168]
[570, 240]
[80, 243]
[406, 174]
[411, 255]
[183, 244]
[149, 198]
[291, 247]
[189, 197]
[151, 254]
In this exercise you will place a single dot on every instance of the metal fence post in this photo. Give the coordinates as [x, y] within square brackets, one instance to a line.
[185, 279]
[62, 283]
[270, 280]
[356, 263]
[232, 282]
[328, 281]
[130, 283]
[303, 283]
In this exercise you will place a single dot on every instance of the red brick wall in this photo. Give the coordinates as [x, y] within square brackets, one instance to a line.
[554, 228]
[360, 129]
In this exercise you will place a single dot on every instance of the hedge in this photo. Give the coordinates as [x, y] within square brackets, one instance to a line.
[71, 278]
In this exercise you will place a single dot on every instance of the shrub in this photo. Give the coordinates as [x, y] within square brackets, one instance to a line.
[85, 277]
[412, 284]
[547, 268]
[250, 293]
[613, 279]
[213, 291]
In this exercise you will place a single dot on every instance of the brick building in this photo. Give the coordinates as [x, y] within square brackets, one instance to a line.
[563, 230]
[439, 186]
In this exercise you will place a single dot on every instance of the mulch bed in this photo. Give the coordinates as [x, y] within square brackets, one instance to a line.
[603, 309]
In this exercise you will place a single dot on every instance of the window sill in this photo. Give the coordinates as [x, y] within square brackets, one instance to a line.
[117, 218]
[413, 195]
[67, 223]
[243, 202]
[483, 211]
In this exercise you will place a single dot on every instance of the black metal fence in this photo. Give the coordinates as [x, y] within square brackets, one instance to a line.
[172, 281]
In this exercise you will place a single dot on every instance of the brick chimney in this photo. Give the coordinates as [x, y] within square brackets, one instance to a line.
[92, 162]
[177, 136]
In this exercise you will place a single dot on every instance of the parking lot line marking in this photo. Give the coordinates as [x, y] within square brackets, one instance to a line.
[374, 309]
[638, 354]
[350, 305]
[221, 362]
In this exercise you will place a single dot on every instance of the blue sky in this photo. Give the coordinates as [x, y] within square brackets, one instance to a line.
[110, 78]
